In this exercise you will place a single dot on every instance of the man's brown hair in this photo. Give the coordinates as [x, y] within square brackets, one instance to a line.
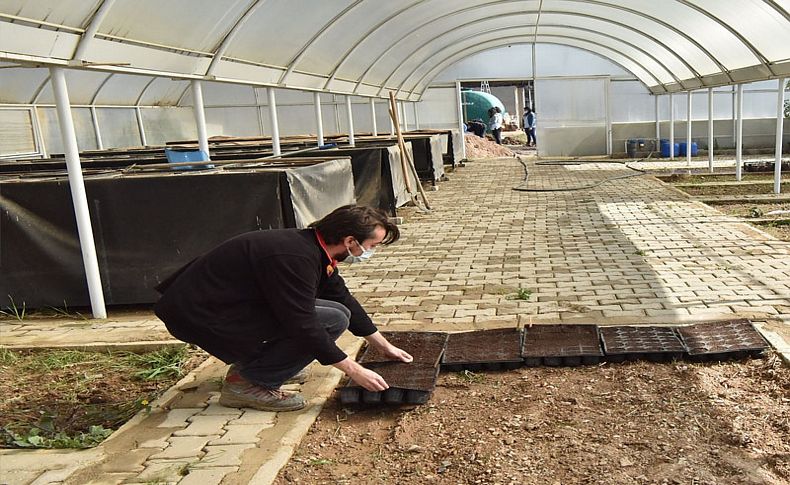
[357, 221]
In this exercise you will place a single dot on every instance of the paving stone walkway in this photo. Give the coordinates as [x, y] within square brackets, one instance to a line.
[633, 250]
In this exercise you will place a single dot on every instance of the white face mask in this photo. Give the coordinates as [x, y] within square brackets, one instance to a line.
[366, 254]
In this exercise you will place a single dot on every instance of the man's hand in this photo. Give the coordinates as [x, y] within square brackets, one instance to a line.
[362, 376]
[386, 348]
[395, 353]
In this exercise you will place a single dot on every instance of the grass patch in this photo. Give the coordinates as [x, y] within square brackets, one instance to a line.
[75, 399]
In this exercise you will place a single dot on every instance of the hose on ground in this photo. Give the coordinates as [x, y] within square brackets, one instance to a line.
[523, 186]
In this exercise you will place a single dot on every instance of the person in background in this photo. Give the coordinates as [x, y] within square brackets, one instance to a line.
[269, 302]
[529, 126]
[495, 121]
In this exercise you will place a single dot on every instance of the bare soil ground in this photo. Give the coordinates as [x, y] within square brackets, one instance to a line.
[746, 189]
[73, 399]
[778, 225]
[716, 177]
[641, 423]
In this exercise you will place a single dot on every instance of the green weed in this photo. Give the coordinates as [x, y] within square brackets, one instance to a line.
[639, 252]
[319, 461]
[167, 362]
[14, 310]
[44, 435]
[7, 357]
[470, 376]
[521, 294]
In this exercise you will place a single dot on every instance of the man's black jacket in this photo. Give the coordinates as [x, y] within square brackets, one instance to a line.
[256, 287]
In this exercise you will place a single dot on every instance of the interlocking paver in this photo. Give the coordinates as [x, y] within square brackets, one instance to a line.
[184, 447]
[223, 455]
[206, 476]
[200, 425]
[177, 418]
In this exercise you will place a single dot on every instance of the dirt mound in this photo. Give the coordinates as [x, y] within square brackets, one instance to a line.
[477, 147]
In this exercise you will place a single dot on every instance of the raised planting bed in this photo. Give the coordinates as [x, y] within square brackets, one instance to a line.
[656, 344]
[483, 350]
[75, 399]
[699, 178]
[722, 340]
[561, 345]
[734, 189]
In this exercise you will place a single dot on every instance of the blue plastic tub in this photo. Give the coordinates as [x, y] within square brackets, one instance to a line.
[665, 148]
[683, 147]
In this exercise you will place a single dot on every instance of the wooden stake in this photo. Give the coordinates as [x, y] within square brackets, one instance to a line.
[405, 159]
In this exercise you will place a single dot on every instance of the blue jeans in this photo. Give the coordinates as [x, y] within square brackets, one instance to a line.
[530, 135]
[280, 359]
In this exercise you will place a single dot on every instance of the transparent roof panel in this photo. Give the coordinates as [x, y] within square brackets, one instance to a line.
[670, 45]
[196, 25]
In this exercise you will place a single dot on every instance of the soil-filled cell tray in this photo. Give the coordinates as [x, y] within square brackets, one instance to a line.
[483, 349]
[723, 339]
[561, 345]
[409, 383]
[425, 347]
[641, 342]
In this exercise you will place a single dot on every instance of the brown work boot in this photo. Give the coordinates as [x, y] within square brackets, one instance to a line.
[238, 392]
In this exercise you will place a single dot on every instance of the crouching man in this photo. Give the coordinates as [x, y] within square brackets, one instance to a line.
[269, 302]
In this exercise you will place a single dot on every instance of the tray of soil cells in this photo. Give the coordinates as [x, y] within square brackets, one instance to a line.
[656, 344]
[561, 345]
[483, 350]
[722, 340]
[410, 383]
[425, 347]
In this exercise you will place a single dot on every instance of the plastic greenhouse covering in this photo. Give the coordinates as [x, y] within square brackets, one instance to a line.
[367, 47]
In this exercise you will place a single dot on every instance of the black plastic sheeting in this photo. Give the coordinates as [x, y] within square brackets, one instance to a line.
[145, 227]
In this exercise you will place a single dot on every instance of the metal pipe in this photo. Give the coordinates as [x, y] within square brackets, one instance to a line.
[402, 111]
[140, 126]
[671, 127]
[780, 104]
[373, 116]
[734, 115]
[658, 123]
[710, 129]
[93, 27]
[318, 121]
[688, 128]
[78, 195]
[96, 129]
[350, 121]
[739, 135]
[200, 116]
[608, 100]
[460, 113]
[42, 148]
[275, 123]
[416, 116]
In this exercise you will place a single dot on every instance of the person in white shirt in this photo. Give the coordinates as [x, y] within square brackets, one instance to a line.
[495, 122]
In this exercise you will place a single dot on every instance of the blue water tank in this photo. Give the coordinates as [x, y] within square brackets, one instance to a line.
[683, 147]
[665, 148]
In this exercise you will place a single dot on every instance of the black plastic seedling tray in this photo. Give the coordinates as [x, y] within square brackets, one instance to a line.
[409, 384]
[424, 347]
[483, 350]
[722, 340]
[561, 345]
[656, 344]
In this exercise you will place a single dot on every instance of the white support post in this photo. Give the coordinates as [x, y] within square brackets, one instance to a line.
[373, 116]
[780, 116]
[200, 116]
[403, 116]
[710, 129]
[350, 115]
[671, 127]
[460, 113]
[608, 99]
[734, 115]
[319, 123]
[416, 116]
[658, 122]
[688, 128]
[78, 195]
[140, 126]
[274, 122]
[96, 130]
[739, 135]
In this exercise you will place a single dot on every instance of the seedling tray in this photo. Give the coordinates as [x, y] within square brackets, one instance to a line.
[409, 384]
[656, 344]
[722, 340]
[483, 350]
[561, 345]
[425, 347]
